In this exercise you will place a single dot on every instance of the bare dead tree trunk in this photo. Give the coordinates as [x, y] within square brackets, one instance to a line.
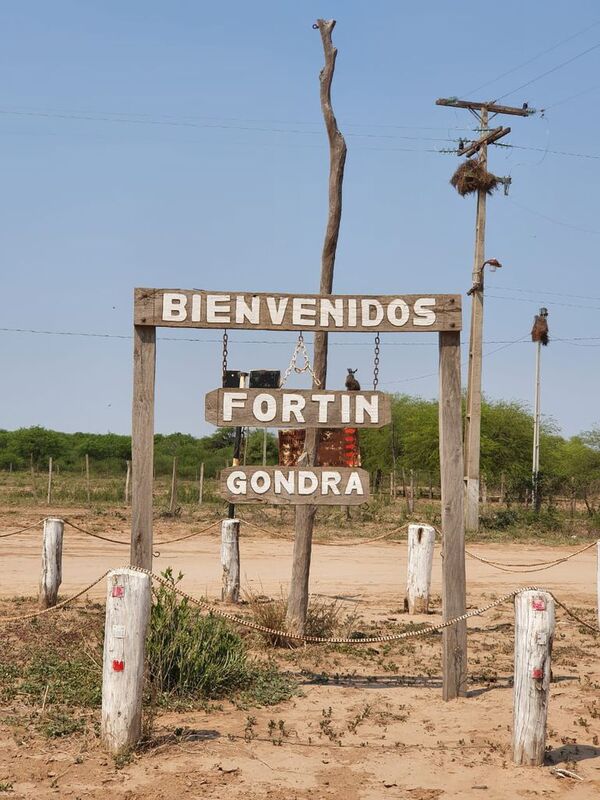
[305, 515]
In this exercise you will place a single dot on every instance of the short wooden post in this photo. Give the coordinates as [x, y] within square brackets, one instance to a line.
[201, 484]
[127, 481]
[49, 499]
[534, 630]
[421, 542]
[87, 476]
[173, 500]
[230, 560]
[51, 576]
[127, 615]
[454, 584]
[264, 450]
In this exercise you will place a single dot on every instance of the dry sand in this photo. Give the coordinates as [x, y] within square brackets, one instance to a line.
[388, 733]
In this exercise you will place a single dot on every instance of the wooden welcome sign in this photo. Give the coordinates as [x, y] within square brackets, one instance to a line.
[190, 308]
[295, 485]
[283, 408]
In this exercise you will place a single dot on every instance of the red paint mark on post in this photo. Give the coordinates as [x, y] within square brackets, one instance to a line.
[537, 673]
[539, 604]
[118, 666]
[118, 591]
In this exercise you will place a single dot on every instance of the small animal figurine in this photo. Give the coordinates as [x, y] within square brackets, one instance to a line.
[352, 385]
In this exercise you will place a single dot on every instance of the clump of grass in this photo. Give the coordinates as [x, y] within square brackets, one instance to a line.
[191, 656]
[323, 619]
[58, 724]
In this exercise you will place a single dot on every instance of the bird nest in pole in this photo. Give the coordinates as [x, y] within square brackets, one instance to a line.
[472, 176]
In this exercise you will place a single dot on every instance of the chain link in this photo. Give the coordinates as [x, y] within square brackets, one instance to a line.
[300, 349]
[376, 362]
[225, 351]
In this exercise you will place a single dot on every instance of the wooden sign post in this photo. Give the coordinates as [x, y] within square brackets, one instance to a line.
[272, 408]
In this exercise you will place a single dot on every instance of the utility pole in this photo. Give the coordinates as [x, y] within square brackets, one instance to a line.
[472, 440]
[539, 335]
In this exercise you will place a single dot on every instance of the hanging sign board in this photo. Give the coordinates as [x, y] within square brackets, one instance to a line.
[338, 486]
[190, 308]
[283, 408]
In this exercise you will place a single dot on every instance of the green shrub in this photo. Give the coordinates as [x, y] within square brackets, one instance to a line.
[190, 654]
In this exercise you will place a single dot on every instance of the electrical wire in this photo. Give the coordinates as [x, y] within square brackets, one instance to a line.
[550, 71]
[287, 343]
[534, 58]
[569, 98]
[545, 150]
[197, 125]
[554, 221]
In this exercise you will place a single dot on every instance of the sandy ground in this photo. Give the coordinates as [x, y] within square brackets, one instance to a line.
[386, 733]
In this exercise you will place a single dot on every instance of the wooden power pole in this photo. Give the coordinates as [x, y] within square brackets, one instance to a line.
[472, 443]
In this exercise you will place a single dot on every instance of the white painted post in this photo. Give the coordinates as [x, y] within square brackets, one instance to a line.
[534, 631]
[421, 541]
[51, 576]
[127, 615]
[230, 560]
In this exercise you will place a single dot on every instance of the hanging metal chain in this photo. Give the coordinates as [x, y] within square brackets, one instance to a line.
[225, 351]
[376, 362]
[300, 349]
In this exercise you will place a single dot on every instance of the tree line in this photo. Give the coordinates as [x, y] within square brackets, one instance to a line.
[568, 465]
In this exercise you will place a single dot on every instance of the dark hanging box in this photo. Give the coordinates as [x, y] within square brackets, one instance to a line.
[265, 379]
[231, 379]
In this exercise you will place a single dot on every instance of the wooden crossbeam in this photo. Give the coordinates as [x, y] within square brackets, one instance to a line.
[488, 138]
[493, 108]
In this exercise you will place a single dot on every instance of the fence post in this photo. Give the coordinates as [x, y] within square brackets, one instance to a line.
[230, 560]
[127, 615]
[173, 501]
[421, 541]
[49, 500]
[51, 577]
[534, 631]
[127, 481]
[87, 477]
[201, 484]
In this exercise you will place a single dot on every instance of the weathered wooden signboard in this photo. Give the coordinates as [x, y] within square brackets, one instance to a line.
[284, 408]
[190, 308]
[295, 485]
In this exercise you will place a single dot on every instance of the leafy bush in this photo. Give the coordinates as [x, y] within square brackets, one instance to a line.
[194, 656]
[190, 654]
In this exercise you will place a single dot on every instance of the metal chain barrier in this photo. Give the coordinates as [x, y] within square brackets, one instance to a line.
[212, 609]
[22, 530]
[58, 606]
[536, 566]
[351, 543]
[299, 349]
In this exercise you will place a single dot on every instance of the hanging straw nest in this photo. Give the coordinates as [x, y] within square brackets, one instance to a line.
[539, 332]
[472, 176]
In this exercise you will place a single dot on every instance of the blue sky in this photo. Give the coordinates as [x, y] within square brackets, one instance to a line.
[181, 144]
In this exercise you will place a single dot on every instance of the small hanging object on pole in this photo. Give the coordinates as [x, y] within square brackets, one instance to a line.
[539, 335]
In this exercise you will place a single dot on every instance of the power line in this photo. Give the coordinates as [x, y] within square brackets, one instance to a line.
[546, 150]
[545, 292]
[535, 57]
[553, 220]
[550, 71]
[286, 342]
[217, 126]
[568, 99]
[550, 303]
